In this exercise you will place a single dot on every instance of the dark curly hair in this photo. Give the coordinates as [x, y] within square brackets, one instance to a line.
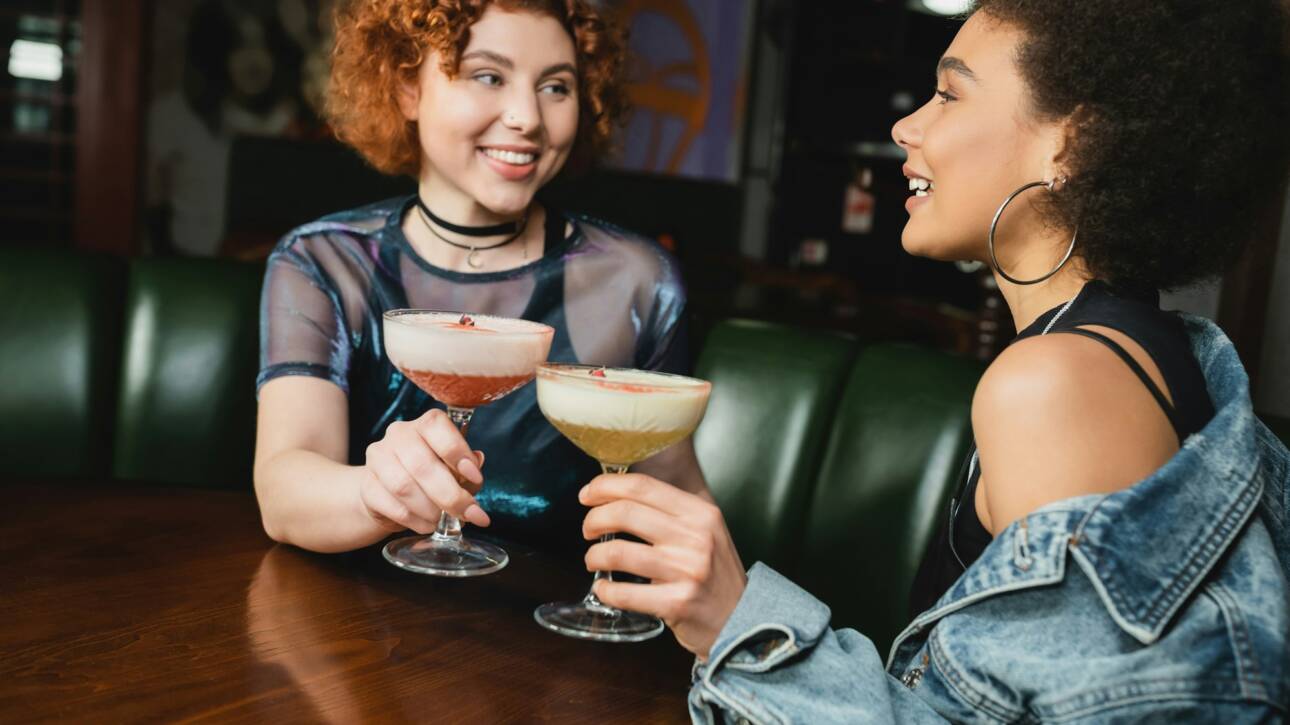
[1180, 114]
[382, 43]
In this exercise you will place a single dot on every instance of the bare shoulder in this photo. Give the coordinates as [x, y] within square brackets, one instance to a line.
[1060, 416]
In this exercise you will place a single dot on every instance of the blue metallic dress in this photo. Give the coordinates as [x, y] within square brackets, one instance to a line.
[614, 299]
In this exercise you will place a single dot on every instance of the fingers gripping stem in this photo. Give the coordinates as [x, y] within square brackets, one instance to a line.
[591, 601]
[449, 528]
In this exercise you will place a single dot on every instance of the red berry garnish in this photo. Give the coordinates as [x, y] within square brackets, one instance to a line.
[466, 321]
[598, 373]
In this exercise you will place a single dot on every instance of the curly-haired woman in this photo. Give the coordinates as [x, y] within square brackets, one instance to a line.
[483, 102]
[1119, 549]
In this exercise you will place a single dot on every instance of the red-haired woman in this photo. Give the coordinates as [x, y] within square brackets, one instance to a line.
[483, 102]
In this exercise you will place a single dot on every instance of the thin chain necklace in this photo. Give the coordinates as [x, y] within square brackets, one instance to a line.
[1062, 311]
[472, 259]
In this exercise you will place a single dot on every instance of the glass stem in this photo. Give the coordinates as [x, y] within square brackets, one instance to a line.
[449, 528]
[591, 601]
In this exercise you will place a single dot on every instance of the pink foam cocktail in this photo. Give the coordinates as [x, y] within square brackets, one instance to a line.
[463, 361]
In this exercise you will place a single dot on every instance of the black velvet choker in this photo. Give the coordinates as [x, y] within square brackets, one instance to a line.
[494, 230]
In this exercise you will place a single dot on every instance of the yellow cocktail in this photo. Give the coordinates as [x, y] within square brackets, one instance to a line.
[619, 417]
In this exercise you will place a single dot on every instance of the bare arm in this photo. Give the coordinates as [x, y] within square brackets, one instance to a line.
[311, 498]
[308, 495]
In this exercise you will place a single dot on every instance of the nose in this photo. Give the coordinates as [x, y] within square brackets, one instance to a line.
[908, 131]
[522, 112]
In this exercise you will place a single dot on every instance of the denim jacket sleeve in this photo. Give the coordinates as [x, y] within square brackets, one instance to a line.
[778, 661]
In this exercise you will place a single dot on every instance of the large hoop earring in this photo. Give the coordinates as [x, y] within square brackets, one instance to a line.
[994, 225]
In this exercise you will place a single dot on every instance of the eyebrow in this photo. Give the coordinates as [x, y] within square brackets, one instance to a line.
[950, 64]
[559, 68]
[508, 64]
[489, 55]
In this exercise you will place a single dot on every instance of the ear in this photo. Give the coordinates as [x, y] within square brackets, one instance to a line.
[409, 96]
[1060, 141]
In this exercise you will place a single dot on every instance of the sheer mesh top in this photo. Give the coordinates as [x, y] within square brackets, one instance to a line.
[614, 299]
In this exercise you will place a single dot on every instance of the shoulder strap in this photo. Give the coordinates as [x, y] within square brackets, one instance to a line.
[1165, 405]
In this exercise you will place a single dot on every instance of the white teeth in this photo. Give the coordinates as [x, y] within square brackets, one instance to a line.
[917, 184]
[921, 192]
[510, 157]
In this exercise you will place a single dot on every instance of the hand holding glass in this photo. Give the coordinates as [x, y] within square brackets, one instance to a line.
[463, 361]
[619, 417]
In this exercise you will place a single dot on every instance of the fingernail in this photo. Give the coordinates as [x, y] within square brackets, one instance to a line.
[468, 469]
[480, 455]
[582, 492]
[476, 515]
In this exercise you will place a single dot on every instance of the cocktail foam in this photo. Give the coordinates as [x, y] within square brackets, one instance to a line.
[625, 400]
[437, 342]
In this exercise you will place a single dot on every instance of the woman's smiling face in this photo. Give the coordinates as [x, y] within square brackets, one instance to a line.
[974, 143]
[504, 125]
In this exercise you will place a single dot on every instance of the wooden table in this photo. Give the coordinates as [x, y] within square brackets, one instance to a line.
[123, 603]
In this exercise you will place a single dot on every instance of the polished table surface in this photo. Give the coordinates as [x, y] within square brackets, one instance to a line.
[125, 603]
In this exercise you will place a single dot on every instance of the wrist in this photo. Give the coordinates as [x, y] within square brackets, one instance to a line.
[371, 520]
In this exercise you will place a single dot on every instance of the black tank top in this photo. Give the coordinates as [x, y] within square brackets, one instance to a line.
[962, 538]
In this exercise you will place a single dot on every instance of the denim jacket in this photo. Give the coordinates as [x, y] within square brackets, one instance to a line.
[1164, 602]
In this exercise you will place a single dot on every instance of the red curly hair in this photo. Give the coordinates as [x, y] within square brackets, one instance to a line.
[380, 44]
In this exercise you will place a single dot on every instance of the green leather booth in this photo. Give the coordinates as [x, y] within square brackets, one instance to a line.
[135, 370]
[894, 453]
[774, 395]
[186, 401]
[833, 460]
[60, 324]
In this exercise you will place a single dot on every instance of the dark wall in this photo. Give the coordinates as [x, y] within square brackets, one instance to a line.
[858, 66]
[702, 217]
[276, 184]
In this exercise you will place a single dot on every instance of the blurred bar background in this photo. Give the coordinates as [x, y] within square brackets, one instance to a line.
[759, 151]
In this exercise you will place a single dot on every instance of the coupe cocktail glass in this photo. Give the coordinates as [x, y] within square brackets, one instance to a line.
[463, 361]
[618, 417]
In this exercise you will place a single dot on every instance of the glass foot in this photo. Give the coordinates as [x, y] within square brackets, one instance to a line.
[445, 556]
[596, 621]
